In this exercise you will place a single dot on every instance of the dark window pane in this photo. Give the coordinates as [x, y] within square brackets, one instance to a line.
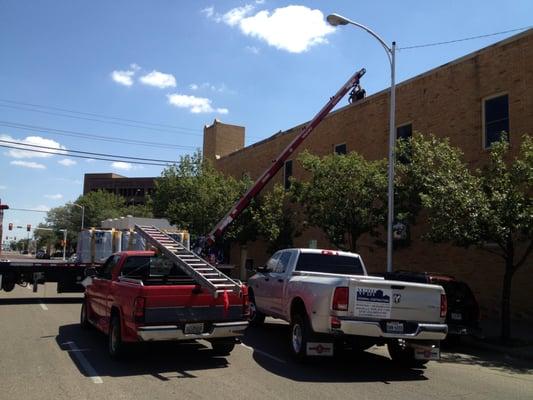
[404, 132]
[340, 149]
[288, 174]
[315, 262]
[496, 118]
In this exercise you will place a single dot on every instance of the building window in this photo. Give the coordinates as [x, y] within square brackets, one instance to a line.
[495, 119]
[287, 175]
[340, 149]
[404, 131]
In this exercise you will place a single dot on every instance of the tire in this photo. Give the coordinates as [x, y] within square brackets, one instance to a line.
[256, 317]
[116, 347]
[403, 355]
[223, 348]
[299, 335]
[84, 318]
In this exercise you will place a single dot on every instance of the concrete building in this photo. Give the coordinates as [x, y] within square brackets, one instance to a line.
[468, 101]
[134, 190]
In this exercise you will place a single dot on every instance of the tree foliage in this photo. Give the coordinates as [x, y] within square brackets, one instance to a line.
[195, 196]
[474, 208]
[346, 196]
[277, 220]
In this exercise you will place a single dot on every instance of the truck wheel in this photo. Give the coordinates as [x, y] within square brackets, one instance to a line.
[222, 348]
[299, 336]
[256, 317]
[116, 347]
[403, 354]
[84, 319]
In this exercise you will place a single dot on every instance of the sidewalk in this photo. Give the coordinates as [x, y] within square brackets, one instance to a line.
[522, 334]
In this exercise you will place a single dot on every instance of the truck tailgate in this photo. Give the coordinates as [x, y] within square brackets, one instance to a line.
[189, 303]
[377, 299]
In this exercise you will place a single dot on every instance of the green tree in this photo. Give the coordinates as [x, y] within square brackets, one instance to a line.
[195, 196]
[345, 196]
[475, 208]
[277, 220]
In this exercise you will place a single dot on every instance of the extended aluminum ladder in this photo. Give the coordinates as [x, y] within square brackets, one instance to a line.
[196, 267]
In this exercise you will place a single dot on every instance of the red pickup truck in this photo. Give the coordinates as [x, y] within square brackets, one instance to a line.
[139, 296]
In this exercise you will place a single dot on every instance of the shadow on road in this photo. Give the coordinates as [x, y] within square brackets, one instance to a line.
[164, 361]
[38, 300]
[463, 354]
[272, 339]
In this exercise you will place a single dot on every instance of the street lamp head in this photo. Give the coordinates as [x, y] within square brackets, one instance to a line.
[336, 20]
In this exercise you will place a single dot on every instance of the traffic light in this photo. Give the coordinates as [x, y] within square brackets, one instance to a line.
[10, 226]
[28, 227]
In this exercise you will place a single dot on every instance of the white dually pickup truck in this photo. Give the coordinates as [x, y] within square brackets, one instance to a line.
[331, 302]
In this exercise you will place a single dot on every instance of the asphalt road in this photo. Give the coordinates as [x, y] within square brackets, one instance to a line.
[45, 355]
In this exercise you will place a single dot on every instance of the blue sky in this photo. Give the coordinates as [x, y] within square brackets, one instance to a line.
[267, 65]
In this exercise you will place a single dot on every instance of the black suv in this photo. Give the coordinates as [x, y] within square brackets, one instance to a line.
[462, 317]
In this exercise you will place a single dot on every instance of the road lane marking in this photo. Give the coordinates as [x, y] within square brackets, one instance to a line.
[43, 306]
[263, 353]
[89, 370]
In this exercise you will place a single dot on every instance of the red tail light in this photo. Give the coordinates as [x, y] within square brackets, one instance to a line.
[138, 309]
[443, 305]
[340, 299]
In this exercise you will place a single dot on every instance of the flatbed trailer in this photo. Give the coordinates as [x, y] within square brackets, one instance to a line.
[68, 276]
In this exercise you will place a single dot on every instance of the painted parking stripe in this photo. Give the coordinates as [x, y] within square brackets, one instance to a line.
[265, 354]
[43, 306]
[89, 370]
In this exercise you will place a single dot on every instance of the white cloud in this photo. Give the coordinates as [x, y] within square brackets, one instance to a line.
[28, 164]
[54, 147]
[42, 207]
[236, 15]
[124, 166]
[193, 86]
[294, 28]
[195, 105]
[252, 49]
[123, 77]
[158, 79]
[54, 196]
[221, 88]
[208, 11]
[67, 162]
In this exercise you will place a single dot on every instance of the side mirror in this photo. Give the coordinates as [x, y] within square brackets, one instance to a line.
[262, 269]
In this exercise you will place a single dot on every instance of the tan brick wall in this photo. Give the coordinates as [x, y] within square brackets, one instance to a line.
[447, 102]
[222, 139]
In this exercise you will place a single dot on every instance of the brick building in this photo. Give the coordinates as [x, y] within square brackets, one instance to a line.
[468, 100]
[133, 190]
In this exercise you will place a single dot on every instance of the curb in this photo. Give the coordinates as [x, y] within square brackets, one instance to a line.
[523, 353]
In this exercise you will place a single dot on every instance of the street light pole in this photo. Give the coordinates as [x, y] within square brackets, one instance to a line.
[82, 213]
[335, 20]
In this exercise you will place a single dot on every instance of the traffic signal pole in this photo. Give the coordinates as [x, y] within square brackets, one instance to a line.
[2, 208]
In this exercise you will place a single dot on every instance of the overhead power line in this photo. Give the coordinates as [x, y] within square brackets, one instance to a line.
[54, 153]
[463, 39]
[98, 115]
[65, 132]
[26, 209]
[65, 151]
[153, 128]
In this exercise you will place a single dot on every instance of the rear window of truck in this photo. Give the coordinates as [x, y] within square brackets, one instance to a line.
[144, 267]
[329, 263]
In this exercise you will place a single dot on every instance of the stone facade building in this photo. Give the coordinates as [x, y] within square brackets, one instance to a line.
[468, 101]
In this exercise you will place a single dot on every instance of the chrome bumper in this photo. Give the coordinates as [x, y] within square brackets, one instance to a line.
[172, 332]
[423, 331]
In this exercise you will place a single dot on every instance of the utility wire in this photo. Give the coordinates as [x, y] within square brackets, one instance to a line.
[64, 132]
[26, 209]
[98, 115]
[463, 39]
[65, 151]
[54, 153]
[98, 120]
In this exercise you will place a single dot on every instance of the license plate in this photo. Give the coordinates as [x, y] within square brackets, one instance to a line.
[193, 329]
[427, 354]
[319, 349]
[394, 327]
[457, 316]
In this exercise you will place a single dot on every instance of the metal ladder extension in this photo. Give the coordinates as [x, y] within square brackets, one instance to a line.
[196, 267]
